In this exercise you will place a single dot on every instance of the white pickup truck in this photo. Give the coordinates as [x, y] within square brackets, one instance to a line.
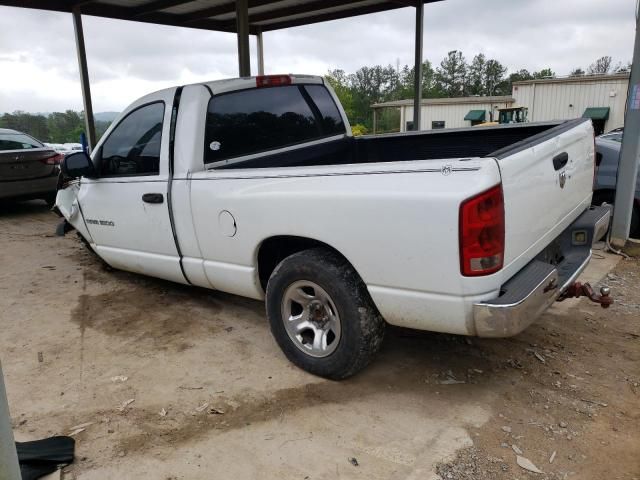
[255, 186]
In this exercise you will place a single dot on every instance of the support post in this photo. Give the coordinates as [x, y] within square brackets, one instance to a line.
[84, 78]
[260, 46]
[629, 154]
[242, 29]
[417, 94]
[9, 468]
[375, 120]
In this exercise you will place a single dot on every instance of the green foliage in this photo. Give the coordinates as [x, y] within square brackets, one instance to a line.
[451, 76]
[378, 84]
[58, 127]
[359, 129]
[544, 73]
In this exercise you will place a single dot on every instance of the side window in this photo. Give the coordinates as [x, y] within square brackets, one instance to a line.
[261, 119]
[133, 147]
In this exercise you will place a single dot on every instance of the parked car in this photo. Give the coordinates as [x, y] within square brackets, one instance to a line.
[604, 188]
[615, 135]
[256, 187]
[28, 169]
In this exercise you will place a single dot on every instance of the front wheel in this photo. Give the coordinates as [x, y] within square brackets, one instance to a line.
[321, 314]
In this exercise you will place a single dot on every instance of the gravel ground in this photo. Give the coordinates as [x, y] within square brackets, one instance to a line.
[184, 383]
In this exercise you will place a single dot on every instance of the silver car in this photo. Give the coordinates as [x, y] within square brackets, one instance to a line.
[28, 169]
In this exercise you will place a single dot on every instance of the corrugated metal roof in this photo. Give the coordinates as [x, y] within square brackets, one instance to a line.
[264, 15]
[445, 101]
[576, 79]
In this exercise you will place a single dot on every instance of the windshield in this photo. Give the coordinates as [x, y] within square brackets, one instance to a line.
[18, 141]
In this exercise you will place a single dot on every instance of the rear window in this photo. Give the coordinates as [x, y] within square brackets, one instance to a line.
[18, 141]
[257, 120]
[329, 114]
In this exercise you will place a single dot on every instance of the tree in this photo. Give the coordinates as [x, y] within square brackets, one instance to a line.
[494, 81]
[406, 82]
[32, 124]
[600, 66]
[450, 77]
[371, 85]
[65, 126]
[577, 72]
[339, 81]
[544, 73]
[477, 76]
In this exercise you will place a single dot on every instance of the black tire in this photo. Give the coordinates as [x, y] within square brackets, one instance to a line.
[50, 199]
[634, 231]
[361, 326]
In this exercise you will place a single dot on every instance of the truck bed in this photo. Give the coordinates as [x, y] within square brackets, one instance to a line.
[423, 145]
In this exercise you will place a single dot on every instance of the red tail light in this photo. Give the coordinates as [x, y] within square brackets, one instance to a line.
[272, 80]
[54, 160]
[482, 233]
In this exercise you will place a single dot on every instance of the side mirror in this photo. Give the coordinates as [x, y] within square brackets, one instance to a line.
[76, 165]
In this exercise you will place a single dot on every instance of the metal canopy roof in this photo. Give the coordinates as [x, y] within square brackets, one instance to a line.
[220, 15]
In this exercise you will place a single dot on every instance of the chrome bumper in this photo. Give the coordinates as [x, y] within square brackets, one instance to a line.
[537, 286]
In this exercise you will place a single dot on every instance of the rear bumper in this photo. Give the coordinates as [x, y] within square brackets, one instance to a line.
[537, 286]
[32, 188]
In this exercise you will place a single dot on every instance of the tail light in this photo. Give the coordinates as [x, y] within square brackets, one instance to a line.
[54, 160]
[482, 233]
[273, 80]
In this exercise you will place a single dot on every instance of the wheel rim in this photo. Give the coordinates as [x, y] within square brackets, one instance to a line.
[311, 318]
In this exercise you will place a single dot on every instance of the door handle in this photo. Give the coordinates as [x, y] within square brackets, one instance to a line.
[153, 198]
[560, 160]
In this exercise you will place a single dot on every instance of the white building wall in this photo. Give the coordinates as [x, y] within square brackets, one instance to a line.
[452, 114]
[565, 100]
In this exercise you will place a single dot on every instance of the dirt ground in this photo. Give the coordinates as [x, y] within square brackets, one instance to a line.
[167, 382]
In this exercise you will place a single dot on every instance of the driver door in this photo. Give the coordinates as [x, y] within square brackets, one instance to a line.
[126, 209]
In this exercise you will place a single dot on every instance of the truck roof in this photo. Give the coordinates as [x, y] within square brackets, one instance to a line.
[230, 84]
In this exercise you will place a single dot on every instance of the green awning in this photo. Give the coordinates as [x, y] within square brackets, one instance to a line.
[596, 113]
[475, 115]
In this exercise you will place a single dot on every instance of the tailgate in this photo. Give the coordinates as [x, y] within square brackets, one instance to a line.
[547, 182]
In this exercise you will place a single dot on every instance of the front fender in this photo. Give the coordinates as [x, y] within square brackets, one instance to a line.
[68, 205]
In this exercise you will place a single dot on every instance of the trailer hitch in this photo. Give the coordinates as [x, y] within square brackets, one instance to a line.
[578, 289]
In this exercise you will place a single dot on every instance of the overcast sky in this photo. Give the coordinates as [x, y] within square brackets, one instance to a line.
[38, 67]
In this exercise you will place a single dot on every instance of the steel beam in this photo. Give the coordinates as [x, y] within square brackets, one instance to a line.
[417, 91]
[260, 45]
[84, 78]
[629, 154]
[242, 27]
[9, 468]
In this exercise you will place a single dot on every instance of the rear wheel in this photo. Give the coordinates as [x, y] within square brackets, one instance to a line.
[321, 314]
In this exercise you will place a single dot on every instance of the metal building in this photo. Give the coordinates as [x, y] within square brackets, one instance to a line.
[447, 112]
[599, 97]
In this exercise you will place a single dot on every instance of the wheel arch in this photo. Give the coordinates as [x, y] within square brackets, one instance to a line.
[274, 249]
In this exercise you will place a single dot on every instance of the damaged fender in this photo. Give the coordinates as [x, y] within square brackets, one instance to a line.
[67, 204]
